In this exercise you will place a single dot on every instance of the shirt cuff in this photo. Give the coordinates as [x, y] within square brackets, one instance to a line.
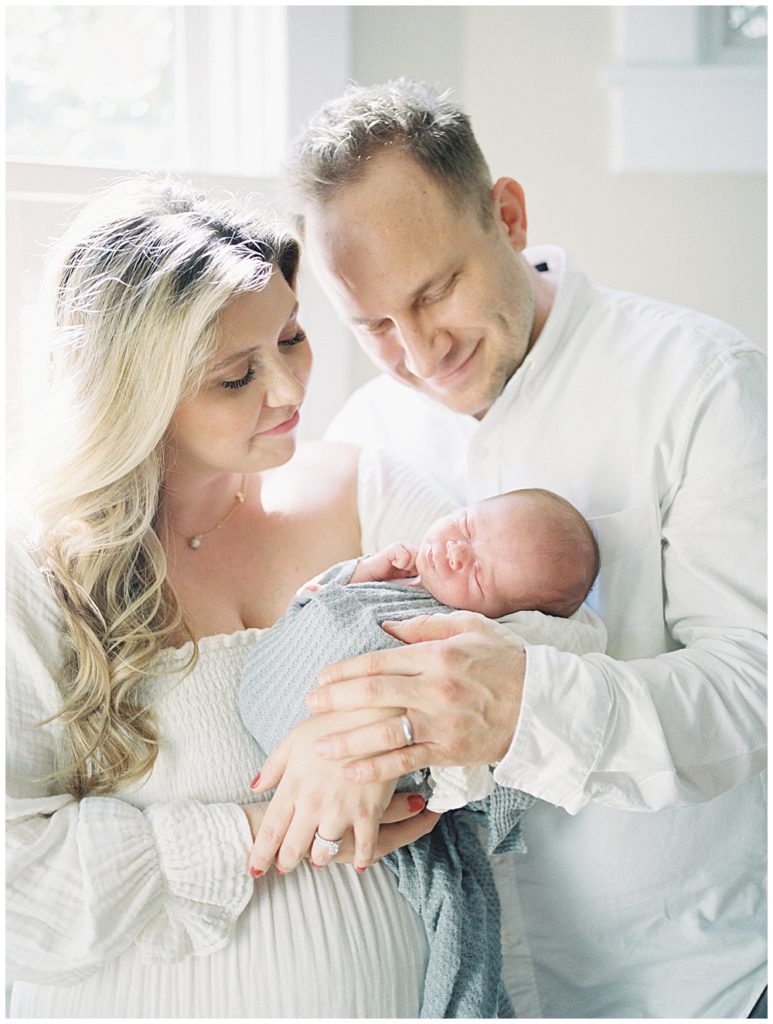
[564, 713]
[458, 786]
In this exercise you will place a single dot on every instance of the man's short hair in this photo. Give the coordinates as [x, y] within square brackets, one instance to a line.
[335, 146]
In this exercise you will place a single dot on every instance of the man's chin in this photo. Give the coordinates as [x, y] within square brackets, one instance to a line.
[462, 401]
[466, 404]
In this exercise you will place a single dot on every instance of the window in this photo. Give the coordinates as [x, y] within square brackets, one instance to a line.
[149, 87]
[734, 35]
[211, 92]
[689, 91]
[91, 84]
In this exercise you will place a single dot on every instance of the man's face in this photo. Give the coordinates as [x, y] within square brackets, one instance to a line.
[437, 300]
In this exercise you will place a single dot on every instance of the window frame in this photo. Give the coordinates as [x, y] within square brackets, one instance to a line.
[671, 111]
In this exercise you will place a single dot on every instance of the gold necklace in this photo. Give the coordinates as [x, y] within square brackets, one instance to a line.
[239, 498]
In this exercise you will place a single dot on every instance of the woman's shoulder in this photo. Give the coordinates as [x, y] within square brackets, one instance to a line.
[23, 565]
[36, 646]
[28, 595]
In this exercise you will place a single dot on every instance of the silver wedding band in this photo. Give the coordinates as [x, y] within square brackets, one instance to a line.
[405, 722]
[331, 845]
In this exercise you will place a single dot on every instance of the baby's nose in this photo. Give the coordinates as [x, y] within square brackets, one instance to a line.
[456, 553]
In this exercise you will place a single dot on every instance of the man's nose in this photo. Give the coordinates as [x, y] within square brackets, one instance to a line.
[457, 553]
[424, 349]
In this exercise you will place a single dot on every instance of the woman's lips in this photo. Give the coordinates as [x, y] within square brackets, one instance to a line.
[281, 428]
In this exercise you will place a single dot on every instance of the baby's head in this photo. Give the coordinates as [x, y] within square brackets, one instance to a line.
[523, 550]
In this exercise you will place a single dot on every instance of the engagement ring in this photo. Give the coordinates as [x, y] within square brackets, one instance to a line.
[331, 845]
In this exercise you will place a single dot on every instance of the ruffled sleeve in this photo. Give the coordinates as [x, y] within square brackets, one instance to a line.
[88, 878]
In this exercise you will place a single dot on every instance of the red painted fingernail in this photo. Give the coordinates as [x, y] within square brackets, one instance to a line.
[416, 802]
[256, 872]
[255, 781]
[316, 865]
[360, 870]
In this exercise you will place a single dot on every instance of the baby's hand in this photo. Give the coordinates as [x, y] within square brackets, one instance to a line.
[396, 562]
[311, 796]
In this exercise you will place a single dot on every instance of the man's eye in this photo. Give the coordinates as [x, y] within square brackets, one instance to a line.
[233, 385]
[441, 294]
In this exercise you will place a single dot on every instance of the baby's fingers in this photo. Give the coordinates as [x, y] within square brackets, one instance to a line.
[404, 558]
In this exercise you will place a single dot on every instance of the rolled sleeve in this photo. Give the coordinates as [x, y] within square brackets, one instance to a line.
[549, 756]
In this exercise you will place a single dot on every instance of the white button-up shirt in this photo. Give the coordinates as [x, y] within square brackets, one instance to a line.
[647, 898]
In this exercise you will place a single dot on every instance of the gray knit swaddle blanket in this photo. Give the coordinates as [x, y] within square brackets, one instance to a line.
[445, 875]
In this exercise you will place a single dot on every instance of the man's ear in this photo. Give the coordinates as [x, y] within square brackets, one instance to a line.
[510, 210]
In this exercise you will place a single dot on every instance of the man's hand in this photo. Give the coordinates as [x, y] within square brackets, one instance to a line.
[460, 683]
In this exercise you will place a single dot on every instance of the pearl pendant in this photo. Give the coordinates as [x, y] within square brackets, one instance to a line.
[195, 543]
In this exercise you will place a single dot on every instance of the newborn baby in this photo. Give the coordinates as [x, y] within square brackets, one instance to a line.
[525, 550]
[528, 555]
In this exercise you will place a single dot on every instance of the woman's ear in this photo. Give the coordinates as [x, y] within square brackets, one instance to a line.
[510, 210]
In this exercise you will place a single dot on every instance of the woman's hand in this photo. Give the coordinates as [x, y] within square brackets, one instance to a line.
[311, 796]
[402, 823]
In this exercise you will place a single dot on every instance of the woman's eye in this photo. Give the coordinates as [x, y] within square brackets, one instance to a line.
[242, 382]
[295, 340]
[375, 328]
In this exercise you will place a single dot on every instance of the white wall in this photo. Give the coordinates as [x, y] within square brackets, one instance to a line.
[531, 79]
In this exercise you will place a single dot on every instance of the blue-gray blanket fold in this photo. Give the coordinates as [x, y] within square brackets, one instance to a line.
[446, 875]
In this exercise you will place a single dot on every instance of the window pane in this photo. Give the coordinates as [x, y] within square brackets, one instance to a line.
[745, 24]
[90, 84]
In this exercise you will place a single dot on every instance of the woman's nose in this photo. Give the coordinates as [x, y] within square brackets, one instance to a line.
[283, 387]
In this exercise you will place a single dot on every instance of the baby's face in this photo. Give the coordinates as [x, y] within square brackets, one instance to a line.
[476, 558]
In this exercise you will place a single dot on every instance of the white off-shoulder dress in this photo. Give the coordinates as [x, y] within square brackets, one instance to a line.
[140, 904]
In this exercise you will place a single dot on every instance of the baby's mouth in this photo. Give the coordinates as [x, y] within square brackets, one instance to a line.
[429, 556]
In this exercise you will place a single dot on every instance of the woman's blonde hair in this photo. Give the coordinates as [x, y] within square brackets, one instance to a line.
[138, 285]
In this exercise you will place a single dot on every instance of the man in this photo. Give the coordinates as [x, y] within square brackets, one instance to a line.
[506, 368]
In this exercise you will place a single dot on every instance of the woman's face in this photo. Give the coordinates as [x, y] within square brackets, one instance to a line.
[244, 417]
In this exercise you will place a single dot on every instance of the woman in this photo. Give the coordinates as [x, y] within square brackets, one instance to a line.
[173, 519]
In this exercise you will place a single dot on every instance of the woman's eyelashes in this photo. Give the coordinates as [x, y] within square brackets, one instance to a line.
[295, 340]
[252, 369]
[242, 382]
